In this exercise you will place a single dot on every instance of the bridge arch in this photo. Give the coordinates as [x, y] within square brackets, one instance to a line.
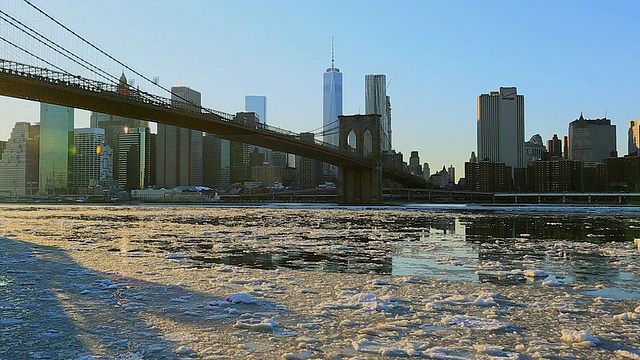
[361, 134]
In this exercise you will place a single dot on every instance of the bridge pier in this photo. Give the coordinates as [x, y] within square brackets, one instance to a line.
[361, 186]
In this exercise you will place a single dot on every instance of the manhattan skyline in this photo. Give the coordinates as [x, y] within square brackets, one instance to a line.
[565, 58]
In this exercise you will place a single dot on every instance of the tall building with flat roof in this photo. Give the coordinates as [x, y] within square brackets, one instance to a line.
[258, 105]
[19, 163]
[500, 128]
[56, 149]
[634, 137]
[134, 158]
[87, 144]
[179, 150]
[377, 102]
[591, 141]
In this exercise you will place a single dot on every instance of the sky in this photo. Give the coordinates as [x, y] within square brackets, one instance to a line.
[565, 57]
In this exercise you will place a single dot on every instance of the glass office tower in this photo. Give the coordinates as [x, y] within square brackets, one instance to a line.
[56, 149]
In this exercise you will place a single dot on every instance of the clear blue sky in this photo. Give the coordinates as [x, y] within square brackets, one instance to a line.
[565, 57]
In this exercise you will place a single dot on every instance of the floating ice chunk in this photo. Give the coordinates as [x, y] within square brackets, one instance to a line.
[240, 298]
[183, 350]
[627, 354]
[297, 356]
[578, 338]
[490, 350]
[552, 283]
[485, 300]
[626, 316]
[309, 326]
[179, 300]
[535, 273]
[264, 325]
[475, 323]
[176, 256]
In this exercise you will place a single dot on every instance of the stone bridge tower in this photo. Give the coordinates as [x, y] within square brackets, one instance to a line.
[362, 135]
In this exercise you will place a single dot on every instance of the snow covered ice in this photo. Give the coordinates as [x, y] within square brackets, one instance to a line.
[160, 282]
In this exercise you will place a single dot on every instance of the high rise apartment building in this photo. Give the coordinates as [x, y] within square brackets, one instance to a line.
[56, 149]
[87, 145]
[179, 150]
[633, 137]
[377, 102]
[501, 127]
[19, 163]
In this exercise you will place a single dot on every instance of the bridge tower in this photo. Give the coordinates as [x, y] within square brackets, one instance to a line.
[362, 135]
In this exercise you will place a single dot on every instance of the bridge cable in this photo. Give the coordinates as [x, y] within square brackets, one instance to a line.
[108, 55]
[108, 77]
[36, 56]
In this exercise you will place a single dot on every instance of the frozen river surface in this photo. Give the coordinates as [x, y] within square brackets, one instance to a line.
[274, 282]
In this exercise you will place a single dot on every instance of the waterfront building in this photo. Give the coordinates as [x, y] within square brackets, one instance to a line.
[267, 175]
[377, 102]
[591, 141]
[622, 173]
[488, 176]
[19, 163]
[56, 144]
[534, 149]
[179, 150]
[500, 127]
[554, 176]
[134, 159]
[87, 145]
[554, 147]
[633, 137]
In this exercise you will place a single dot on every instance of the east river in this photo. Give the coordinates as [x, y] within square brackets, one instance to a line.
[319, 282]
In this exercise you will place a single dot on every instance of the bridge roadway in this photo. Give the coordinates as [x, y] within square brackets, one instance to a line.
[48, 86]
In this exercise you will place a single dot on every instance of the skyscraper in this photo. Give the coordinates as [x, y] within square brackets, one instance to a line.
[87, 145]
[134, 158]
[634, 137]
[331, 101]
[376, 101]
[258, 105]
[591, 141]
[56, 144]
[19, 164]
[554, 147]
[179, 150]
[500, 128]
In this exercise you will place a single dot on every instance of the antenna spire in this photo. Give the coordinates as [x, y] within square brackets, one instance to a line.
[332, 53]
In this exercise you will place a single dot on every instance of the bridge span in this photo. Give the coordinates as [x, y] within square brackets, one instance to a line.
[44, 85]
